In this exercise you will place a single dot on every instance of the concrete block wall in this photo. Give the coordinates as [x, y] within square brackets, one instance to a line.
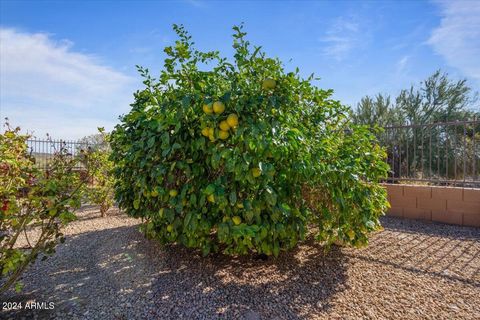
[451, 205]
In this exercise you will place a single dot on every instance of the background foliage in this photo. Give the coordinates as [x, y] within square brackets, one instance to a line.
[100, 192]
[437, 99]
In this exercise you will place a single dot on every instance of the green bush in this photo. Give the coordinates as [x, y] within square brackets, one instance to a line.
[293, 161]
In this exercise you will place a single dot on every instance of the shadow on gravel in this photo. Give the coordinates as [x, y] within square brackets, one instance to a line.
[117, 274]
[431, 228]
[295, 285]
[446, 251]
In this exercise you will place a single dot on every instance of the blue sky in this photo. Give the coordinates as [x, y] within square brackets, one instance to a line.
[69, 67]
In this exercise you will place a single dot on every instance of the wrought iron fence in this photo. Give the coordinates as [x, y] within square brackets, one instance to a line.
[444, 153]
[44, 150]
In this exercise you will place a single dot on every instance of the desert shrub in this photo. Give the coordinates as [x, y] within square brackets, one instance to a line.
[243, 156]
[34, 204]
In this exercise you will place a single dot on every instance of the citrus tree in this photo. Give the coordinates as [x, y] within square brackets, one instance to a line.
[241, 156]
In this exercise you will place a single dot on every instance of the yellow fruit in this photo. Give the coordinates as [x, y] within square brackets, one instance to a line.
[207, 108]
[232, 120]
[173, 193]
[223, 134]
[205, 132]
[211, 137]
[237, 220]
[154, 193]
[269, 84]
[256, 172]
[211, 198]
[218, 107]
[224, 125]
[211, 131]
[169, 228]
[351, 234]
[240, 205]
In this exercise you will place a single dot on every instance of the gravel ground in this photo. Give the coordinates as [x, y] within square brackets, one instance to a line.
[107, 270]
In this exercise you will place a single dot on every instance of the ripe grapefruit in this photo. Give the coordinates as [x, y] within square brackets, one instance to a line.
[218, 107]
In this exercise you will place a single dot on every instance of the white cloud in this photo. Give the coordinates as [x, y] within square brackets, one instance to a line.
[59, 125]
[45, 86]
[402, 64]
[457, 38]
[341, 38]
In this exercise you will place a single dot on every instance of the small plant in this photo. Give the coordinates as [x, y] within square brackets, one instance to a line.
[34, 204]
[243, 156]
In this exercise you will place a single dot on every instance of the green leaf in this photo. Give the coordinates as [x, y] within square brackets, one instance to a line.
[188, 218]
[18, 286]
[67, 216]
[276, 249]
[210, 189]
[151, 142]
[233, 198]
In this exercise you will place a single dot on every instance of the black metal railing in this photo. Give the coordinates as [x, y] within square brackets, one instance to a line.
[44, 150]
[443, 153]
